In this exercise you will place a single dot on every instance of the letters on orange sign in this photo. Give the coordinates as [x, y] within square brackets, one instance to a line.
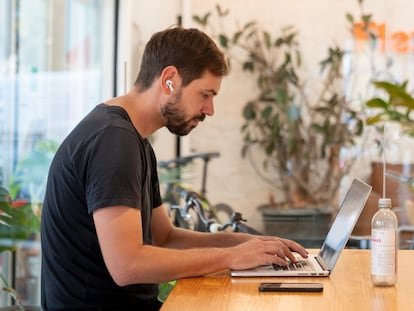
[400, 41]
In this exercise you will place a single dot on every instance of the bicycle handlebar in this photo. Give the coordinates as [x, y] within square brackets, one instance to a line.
[184, 160]
[193, 201]
[237, 224]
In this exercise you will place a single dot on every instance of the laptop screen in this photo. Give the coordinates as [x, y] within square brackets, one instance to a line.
[344, 222]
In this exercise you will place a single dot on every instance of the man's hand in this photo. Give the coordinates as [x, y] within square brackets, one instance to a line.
[265, 250]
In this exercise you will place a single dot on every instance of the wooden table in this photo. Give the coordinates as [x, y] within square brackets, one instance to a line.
[348, 288]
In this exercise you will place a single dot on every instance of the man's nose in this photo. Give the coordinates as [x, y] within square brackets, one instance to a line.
[208, 108]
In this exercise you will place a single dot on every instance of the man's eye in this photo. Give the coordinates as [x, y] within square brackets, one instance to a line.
[205, 95]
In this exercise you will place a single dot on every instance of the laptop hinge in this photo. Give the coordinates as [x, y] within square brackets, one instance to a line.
[321, 263]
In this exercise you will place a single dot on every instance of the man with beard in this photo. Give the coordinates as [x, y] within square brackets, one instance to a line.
[106, 239]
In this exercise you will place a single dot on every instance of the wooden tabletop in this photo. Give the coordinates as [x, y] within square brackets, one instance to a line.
[348, 288]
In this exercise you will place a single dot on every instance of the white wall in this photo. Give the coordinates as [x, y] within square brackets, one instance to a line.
[321, 23]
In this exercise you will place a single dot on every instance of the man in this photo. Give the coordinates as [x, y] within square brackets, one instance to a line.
[106, 238]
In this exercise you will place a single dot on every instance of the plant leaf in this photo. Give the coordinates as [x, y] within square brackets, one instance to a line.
[249, 112]
[377, 103]
[375, 119]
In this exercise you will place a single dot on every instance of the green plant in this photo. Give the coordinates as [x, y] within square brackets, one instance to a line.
[397, 106]
[21, 207]
[16, 224]
[165, 289]
[299, 136]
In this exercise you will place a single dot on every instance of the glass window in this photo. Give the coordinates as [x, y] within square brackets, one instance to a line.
[56, 63]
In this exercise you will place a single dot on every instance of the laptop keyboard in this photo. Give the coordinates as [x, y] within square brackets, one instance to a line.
[301, 265]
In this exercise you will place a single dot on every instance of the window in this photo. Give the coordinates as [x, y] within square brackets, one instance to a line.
[56, 64]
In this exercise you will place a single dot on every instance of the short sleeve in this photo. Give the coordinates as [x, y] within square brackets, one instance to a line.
[116, 170]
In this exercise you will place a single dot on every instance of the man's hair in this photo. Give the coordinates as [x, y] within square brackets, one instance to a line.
[191, 51]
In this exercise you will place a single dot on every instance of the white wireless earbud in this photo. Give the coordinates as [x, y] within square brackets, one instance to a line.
[169, 85]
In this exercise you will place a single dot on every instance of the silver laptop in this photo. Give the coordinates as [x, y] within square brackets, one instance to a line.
[339, 233]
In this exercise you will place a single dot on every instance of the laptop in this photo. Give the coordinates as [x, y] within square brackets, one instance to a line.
[324, 262]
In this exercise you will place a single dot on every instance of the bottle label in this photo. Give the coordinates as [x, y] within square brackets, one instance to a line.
[383, 250]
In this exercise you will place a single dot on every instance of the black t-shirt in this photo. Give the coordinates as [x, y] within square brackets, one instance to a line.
[103, 162]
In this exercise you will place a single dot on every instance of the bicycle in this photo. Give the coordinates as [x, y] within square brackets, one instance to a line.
[193, 203]
[176, 195]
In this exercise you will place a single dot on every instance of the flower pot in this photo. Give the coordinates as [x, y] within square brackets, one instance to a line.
[307, 226]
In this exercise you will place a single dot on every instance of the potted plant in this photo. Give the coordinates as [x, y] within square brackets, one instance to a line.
[393, 105]
[17, 222]
[20, 210]
[293, 138]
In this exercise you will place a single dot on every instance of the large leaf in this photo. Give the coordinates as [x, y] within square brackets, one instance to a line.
[16, 224]
[396, 92]
[377, 103]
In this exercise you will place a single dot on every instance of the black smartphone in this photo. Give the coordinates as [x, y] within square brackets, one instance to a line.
[290, 287]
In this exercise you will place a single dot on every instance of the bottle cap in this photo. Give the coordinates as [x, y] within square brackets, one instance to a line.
[384, 202]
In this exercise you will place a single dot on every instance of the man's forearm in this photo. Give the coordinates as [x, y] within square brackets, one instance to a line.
[183, 239]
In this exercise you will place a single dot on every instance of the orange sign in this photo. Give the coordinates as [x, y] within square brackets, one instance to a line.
[399, 41]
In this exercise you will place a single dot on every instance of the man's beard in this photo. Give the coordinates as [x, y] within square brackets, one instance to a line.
[175, 118]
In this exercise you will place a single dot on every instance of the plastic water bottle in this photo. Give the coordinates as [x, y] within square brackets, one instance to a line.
[384, 226]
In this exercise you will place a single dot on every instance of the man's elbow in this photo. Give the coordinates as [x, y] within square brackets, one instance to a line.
[122, 278]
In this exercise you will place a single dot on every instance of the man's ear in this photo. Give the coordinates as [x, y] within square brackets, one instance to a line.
[169, 78]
